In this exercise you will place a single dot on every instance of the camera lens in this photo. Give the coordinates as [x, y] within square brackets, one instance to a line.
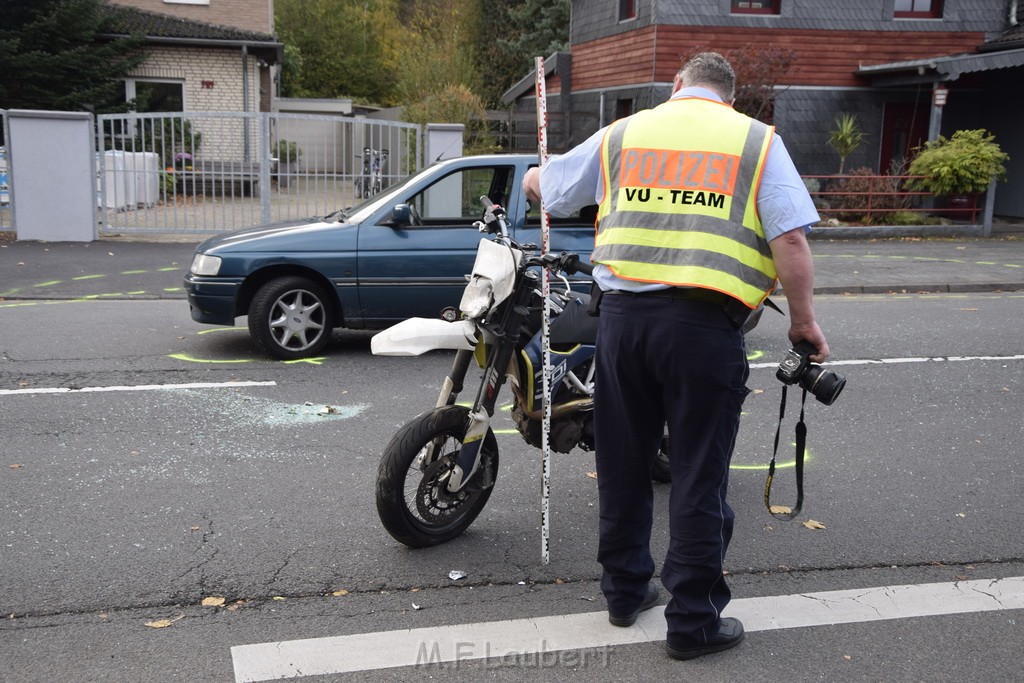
[824, 384]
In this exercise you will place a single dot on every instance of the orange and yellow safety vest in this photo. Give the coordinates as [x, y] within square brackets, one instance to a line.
[680, 199]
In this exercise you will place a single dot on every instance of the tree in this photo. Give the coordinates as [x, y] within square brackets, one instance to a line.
[53, 59]
[529, 29]
[340, 48]
[758, 72]
[441, 75]
[846, 138]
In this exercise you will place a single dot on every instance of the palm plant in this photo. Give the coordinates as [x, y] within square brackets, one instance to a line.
[846, 137]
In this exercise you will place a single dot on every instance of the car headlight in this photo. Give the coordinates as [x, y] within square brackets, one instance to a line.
[205, 264]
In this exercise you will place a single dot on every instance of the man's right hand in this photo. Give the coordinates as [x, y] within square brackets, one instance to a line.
[812, 333]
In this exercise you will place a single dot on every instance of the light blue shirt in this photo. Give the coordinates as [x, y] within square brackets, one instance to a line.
[573, 180]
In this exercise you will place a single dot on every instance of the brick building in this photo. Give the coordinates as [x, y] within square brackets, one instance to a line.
[203, 55]
[882, 60]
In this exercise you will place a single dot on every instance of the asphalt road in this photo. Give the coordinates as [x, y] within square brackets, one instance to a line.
[123, 509]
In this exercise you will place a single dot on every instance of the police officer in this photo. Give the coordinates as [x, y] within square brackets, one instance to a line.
[700, 209]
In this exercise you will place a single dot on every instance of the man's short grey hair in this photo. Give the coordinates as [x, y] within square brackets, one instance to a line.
[711, 70]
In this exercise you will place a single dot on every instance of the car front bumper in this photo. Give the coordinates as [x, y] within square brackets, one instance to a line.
[212, 300]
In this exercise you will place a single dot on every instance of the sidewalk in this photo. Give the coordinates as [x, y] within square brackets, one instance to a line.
[147, 270]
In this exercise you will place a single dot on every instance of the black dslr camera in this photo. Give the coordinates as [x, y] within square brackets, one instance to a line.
[796, 367]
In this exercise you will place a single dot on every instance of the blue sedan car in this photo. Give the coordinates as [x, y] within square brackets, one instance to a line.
[403, 253]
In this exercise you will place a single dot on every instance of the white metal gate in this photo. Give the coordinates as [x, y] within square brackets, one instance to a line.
[206, 173]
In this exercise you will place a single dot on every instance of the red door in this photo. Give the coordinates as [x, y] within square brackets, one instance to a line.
[904, 127]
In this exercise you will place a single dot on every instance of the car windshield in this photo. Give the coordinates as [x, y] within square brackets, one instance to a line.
[358, 212]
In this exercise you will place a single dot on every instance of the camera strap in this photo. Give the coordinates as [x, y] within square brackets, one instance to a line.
[781, 511]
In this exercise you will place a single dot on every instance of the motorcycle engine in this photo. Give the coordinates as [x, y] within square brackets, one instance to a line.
[566, 432]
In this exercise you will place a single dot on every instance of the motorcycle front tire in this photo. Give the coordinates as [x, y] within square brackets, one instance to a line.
[412, 500]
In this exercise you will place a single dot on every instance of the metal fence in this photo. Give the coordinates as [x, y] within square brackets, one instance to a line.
[206, 173]
[870, 199]
[6, 203]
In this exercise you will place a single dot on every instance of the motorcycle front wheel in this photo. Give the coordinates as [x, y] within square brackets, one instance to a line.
[413, 501]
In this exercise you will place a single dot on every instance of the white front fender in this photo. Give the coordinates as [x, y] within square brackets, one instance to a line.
[416, 336]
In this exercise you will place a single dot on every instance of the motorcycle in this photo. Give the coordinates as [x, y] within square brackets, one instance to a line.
[438, 471]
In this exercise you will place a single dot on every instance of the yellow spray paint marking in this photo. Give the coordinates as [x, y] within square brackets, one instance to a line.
[220, 329]
[87, 277]
[172, 289]
[168, 269]
[754, 355]
[133, 272]
[48, 284]
[189, 359]
[311, 361]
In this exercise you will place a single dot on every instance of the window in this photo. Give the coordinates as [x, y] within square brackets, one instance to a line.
[755, 6]
[455, 199]
[918, 9]
[152, 96]
[627, 10]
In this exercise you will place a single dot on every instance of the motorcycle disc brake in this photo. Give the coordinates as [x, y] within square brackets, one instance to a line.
[433, 501]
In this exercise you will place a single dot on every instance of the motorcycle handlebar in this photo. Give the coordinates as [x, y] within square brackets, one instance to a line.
[584, 267]
[569, 263]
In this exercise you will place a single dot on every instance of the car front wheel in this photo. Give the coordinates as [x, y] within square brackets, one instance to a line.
[290, 318]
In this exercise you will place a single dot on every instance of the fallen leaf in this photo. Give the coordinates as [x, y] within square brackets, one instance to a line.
[278, 598]
[195, 528]
[847, 657]
[339, 593]
[164, 623]
[415, 590]
[559, 581]
[456, 574]
[24, 383]
[233, 607]
[213, 601]
[780, 509]
[813, 524]
[592, 475]
[758, 391]
[960, 514]
[16, 466]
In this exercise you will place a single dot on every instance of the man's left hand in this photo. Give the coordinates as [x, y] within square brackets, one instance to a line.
[531, 184]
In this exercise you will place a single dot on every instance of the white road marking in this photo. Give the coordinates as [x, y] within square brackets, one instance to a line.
[887, 361]
[141, 387]
[523, 638]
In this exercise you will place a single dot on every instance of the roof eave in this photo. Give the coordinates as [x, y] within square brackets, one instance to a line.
[264, 48]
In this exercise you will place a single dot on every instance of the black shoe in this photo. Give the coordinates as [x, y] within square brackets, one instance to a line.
[730, 633]
[650, 600]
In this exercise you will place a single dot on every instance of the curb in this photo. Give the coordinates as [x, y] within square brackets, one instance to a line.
[920, 289]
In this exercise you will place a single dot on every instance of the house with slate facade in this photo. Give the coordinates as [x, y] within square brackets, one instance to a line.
[203, 55]
[909, 70]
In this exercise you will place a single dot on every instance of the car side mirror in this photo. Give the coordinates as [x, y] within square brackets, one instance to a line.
[401, 215]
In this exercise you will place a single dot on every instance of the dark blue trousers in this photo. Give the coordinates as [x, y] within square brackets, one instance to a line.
[679, 363]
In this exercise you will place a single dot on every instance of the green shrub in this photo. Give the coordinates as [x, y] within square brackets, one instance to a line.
[963, 164]
[287, 152]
